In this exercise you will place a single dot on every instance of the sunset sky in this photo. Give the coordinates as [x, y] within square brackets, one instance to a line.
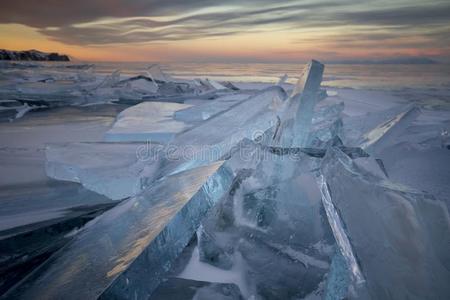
[221, 31]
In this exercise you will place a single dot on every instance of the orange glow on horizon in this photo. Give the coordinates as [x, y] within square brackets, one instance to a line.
[268, 46]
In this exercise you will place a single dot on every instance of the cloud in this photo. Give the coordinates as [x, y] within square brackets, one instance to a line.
[418, 14]
[193, 26]
[56, 13]
[370, 23]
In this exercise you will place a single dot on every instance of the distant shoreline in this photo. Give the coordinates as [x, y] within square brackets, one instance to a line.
[31, 55]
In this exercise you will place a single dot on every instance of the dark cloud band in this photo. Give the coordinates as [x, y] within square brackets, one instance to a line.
[137, 21]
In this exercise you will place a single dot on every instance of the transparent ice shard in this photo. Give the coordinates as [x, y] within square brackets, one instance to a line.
[106, 168]
[297, 113]
[216, 137]
[172, 88]
[140, 84]
[110, 80]
[204, 84]
[401, 237]
[310, 79]
[339, 233]
[86, 74]
[209, 109]
[38, 206]
[142, 235]
[230, 85]
[211, 252]
[155, 73]
[38, 232]
[327, 125]
[216, 85]
[386, 133]
[148, 121]
[307, 100]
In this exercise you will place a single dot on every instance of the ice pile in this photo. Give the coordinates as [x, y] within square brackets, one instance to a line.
[48, 85]
[290, 197]
[109, 169]
[118, 177]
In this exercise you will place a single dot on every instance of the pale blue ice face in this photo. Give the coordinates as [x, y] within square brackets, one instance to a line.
[143, 234]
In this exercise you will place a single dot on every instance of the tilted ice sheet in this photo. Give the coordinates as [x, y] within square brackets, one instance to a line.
[386, 132]
[419, 157]
[307, 100]
[401, 237]
[109, 169]
[422, 167]
[148, 121]
[142, 235]
[216, 137]
[24, 209]
[296, 116]
[119, 177]
[210, 108]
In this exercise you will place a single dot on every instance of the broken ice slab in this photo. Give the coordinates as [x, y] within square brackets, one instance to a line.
[110, 81]
[326, 125]
[216, 137]
[386, 133]
[215, 85]
[401, 237]
[205, 143]
[310, 79]
[297, 113]
[140, 84]
[154, 72]
[148, 121]
[109, 169]
[26, 209]
[142, 235]
[27, 247]
[45, 99]
[36, 220]
[230, 85]
[203, 85]
[423, 167]
[307, 100]
[209, 109]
